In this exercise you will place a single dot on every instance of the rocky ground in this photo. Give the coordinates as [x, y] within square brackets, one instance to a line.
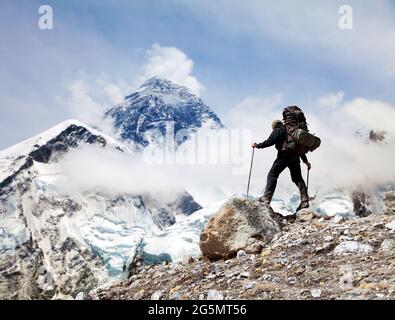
[310, 258]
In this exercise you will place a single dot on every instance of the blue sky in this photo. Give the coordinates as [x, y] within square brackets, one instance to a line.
[239, 49]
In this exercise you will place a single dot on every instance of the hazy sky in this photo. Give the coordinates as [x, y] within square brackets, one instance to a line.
[227, 51]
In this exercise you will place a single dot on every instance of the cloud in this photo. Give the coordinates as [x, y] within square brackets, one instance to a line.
[331, 100]
[172, 64]
[94, 167]
[88, 97]
[347, 158]
[255, 113]
[376, 115]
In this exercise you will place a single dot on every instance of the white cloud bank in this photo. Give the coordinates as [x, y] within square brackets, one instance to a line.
[170, 63]
[88, 97]
[347, 158]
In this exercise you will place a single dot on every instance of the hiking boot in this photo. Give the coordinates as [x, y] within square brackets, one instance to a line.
[266, 199]
[303, 205]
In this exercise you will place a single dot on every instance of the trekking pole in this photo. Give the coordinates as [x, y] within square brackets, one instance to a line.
[249, 177]
[308, 178]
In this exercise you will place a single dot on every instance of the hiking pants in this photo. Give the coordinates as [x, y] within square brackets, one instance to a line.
[283, 161]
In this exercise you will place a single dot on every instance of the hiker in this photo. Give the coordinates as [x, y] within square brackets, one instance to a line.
[285, 159]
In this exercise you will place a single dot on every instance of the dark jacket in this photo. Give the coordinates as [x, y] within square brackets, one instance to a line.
[277, 138]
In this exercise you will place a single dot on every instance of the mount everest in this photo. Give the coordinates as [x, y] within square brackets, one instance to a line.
[155, 103]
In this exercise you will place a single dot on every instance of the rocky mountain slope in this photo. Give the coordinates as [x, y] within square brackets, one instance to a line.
[56, 241]
[146, 114]
[310, 258]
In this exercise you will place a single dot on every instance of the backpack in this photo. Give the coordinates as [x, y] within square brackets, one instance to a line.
[299, 140]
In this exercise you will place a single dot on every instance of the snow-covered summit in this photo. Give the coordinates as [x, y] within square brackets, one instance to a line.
[163, 86]
[154, 105]
[59, 138]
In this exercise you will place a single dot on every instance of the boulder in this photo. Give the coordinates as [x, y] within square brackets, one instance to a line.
[305, 215]
[237, 223]
[346, 247]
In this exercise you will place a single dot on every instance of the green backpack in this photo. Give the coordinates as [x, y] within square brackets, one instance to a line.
[299, 139]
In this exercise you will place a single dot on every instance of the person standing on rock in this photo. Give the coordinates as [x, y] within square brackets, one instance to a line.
[285, 159]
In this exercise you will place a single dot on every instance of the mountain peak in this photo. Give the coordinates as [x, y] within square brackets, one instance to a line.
[163, 87]
[157, 82]
[157, 102]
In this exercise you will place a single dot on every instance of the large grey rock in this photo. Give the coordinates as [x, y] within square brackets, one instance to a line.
[233, 227]
[353, 247]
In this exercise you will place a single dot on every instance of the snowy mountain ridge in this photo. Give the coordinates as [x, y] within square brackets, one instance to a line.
[57, 241]
[13, 157]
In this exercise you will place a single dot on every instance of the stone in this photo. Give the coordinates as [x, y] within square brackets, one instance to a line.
[233, 227]
[241, 255]
[391, 225]
[42, 270]
[248, 286]
[175, 296]
[353, 247]
[254, 248]
[188, 260]
[211, 276]
[387, 245]
[316, 293]
[305, 215]
[337, 219]
[214, 295]
[324, 248]
[80, 296]
[157, 295]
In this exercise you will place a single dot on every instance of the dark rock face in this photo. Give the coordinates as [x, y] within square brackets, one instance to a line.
[361, 204]
[71, 137]
[157, 103]
[163, 217]
[142, 258]
[377, 136]
[19, 273]
[185, 204]
[164, 213]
